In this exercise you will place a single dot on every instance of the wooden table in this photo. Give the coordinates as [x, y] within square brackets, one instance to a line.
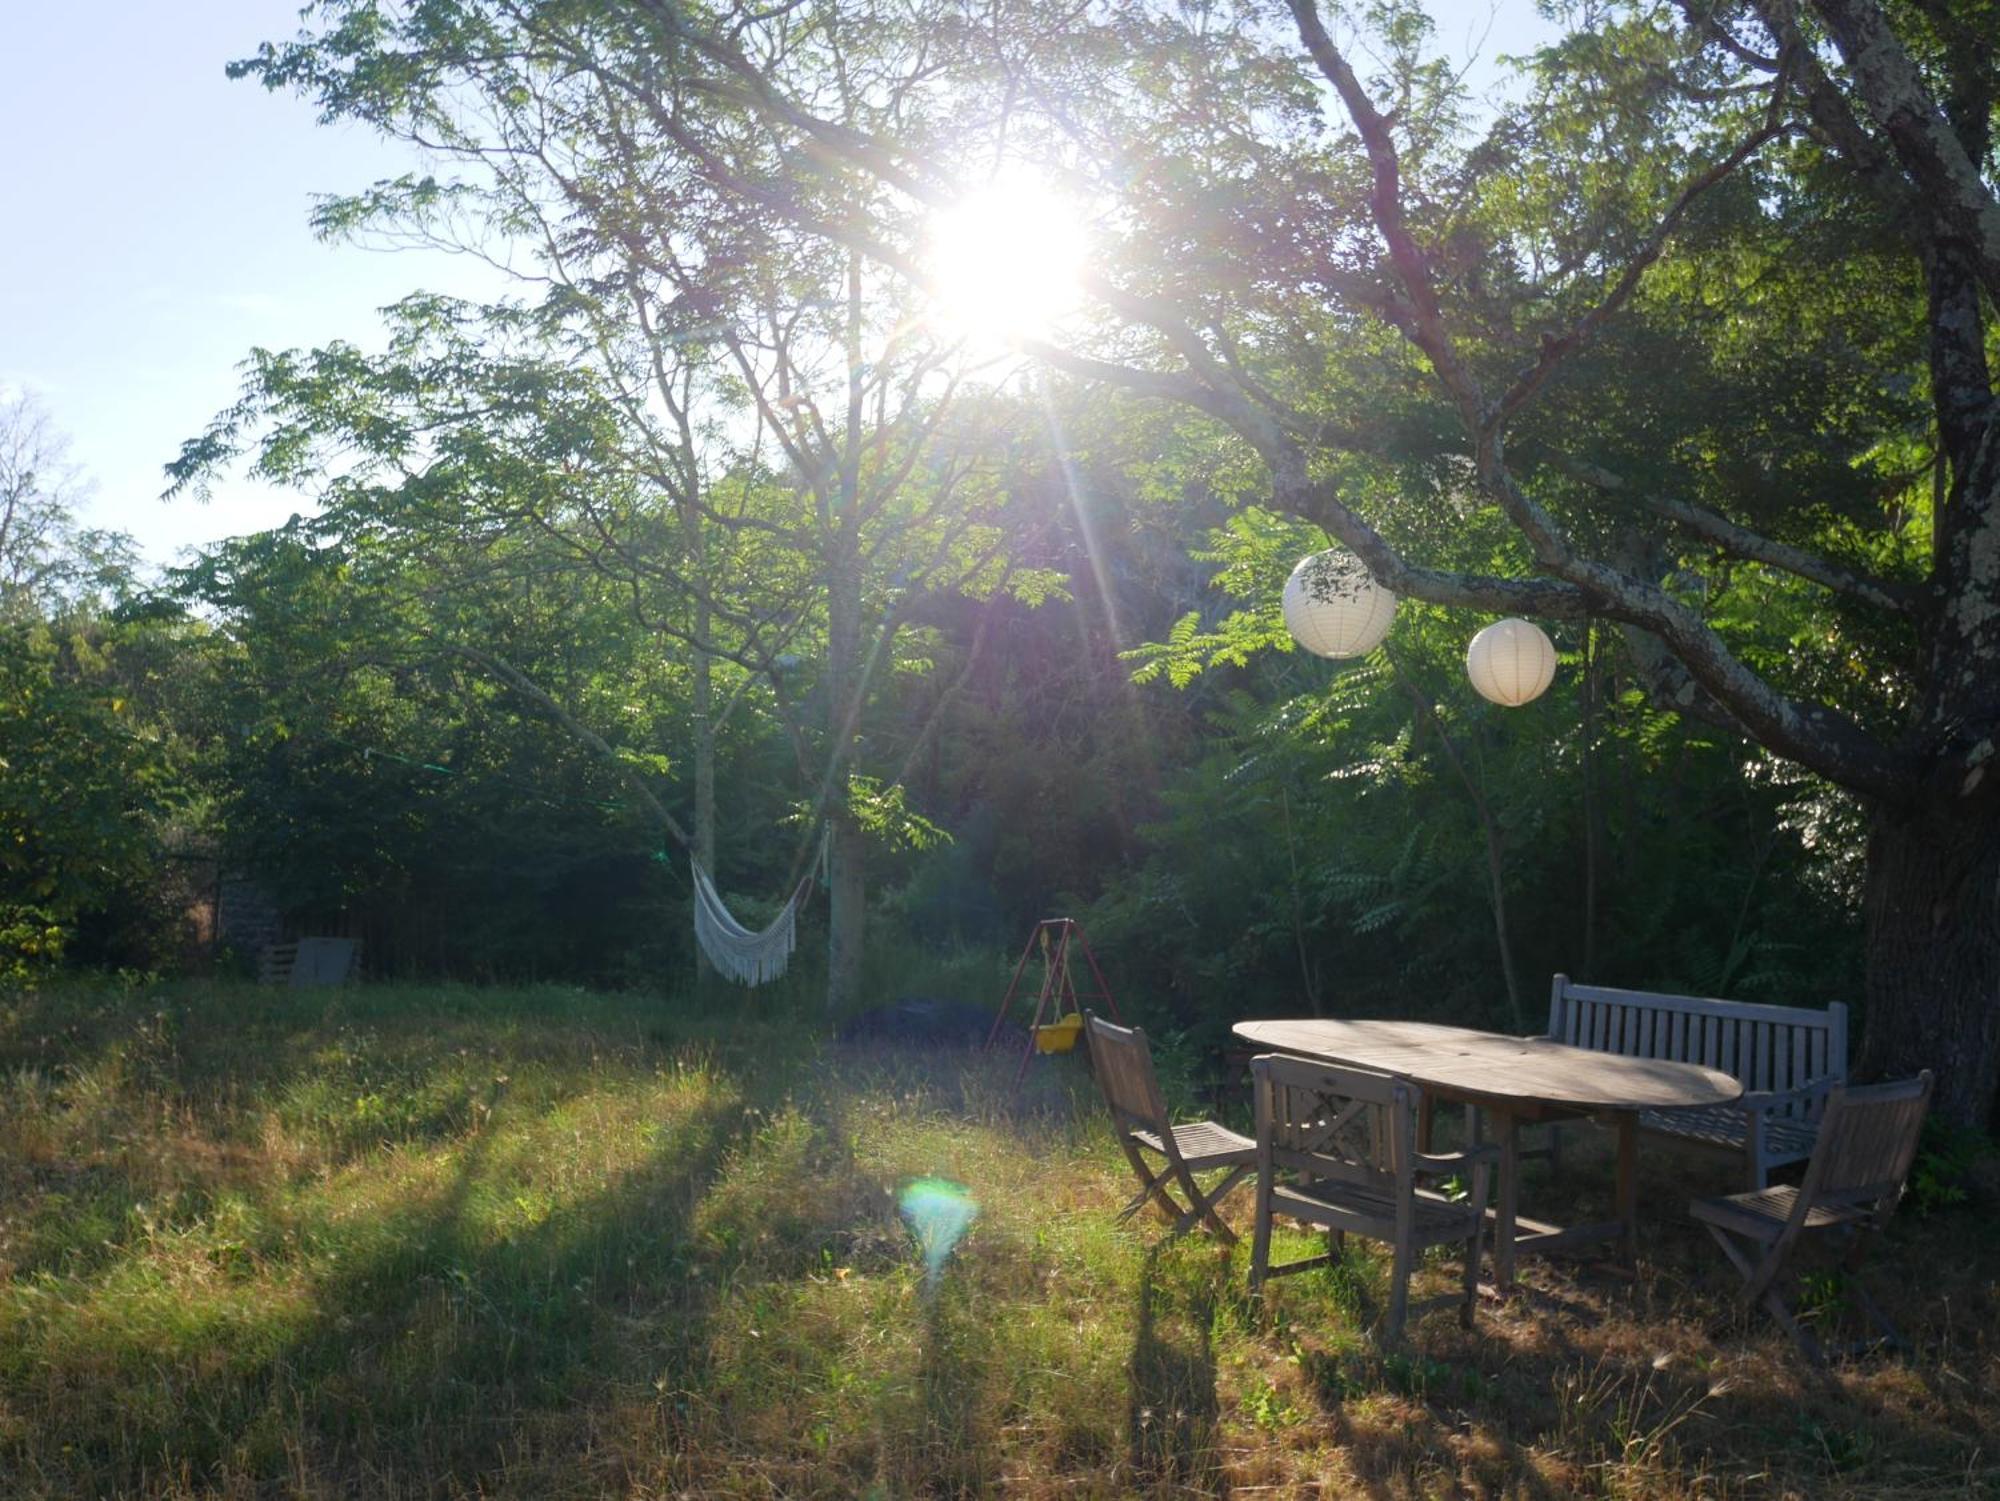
[1513, 1079]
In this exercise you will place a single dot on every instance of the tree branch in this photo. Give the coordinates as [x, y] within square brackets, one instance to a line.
[1559, 347]
[1893, 89]
[1741, 542]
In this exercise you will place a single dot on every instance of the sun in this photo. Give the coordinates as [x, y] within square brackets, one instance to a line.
[1005, 262]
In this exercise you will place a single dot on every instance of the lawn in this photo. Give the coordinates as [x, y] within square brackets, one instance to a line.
[442, 1242]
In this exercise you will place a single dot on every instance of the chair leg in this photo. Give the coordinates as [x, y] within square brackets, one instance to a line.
[1201, 1206]
[1850, 1263]
[1471, 1276]
[1137, 1202]
[1758, 1280]
[1152, 1190]
[1877, 1317]
[1153, 1187]
[1766, 1276]
[1228, 1186]
[1260, 1237]
[1737, 1259]
[1774, 1303]
[1399, 1295]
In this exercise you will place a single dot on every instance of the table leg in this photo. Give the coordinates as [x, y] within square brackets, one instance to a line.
[1508, 1128]
[1426, 1122]
[1628, 1183]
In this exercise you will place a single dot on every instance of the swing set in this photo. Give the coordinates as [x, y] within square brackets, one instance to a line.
[1058, 1018]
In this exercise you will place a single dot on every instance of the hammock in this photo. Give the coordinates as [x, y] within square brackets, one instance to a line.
[737, 953]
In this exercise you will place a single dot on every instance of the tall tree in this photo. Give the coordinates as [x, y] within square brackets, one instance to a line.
[1704, 323]
[1672, 175]
[739, 418]
[49, 560]
[1707, 320]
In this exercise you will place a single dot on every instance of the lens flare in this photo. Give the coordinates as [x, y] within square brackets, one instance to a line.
[938, 1212]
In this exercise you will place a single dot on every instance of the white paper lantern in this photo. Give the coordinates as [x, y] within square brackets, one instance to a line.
[1511, 662]
[1334, 608]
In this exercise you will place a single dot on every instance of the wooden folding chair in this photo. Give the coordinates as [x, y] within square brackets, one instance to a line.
[1123, 1063]
[1336, 1148]
[1867, 1141]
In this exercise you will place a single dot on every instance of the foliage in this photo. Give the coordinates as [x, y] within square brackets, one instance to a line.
[1355, 879]
[89, 778]
[1948, 1157]
[882, 813]
[50, 562]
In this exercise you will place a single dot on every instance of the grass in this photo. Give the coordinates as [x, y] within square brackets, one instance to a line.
[547, 1243]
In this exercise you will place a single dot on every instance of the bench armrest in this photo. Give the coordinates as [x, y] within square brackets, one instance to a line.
[1765, 1101]
[1432, 1164]
[1477, 1162]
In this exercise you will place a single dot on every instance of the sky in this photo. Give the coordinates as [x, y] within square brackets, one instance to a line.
[157, 229]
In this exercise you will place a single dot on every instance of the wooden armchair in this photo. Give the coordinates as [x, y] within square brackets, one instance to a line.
[1348, 1138]
[1123, 1062]
[1867, 1142]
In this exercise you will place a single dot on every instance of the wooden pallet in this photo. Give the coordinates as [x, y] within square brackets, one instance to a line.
[309, 961]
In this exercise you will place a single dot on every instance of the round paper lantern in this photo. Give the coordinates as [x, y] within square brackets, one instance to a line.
[1334, 608]
[1511, 662]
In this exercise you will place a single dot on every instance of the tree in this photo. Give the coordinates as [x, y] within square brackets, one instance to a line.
[737, 421]
[48, 561]
[1408, 324]
[366, 770]
[88, 772]
[1661, 153]
[1703, 324]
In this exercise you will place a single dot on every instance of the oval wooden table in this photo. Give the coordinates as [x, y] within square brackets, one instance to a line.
[1511, 1080]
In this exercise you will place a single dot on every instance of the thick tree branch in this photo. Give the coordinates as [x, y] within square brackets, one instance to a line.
[1811, 734]
[1894, 91]
[1741, 542]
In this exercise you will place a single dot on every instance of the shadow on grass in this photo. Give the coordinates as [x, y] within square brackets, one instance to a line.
[949, 1453]
[1174, 1409]
[433, 1356]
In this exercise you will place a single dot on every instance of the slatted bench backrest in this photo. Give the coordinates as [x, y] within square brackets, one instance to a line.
[1767, 1048]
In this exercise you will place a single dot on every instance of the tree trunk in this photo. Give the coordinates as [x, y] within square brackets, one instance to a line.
[702, 712]
[847, 915]
[847, 905]
[1933, 966]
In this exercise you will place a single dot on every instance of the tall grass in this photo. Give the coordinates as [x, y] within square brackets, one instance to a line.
[454, 1242]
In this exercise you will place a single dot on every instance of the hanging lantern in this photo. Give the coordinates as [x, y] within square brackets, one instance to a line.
[1334, 607]
[1511, 662]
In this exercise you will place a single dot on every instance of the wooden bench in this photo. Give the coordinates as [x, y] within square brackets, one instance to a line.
[1786, 1057]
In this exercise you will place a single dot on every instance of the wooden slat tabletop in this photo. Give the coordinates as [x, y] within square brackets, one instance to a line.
[1487, 1065]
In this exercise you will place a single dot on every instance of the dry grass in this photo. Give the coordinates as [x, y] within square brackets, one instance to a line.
[543, 1243]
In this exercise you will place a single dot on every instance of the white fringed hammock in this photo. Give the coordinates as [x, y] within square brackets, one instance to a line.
[737, 953]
